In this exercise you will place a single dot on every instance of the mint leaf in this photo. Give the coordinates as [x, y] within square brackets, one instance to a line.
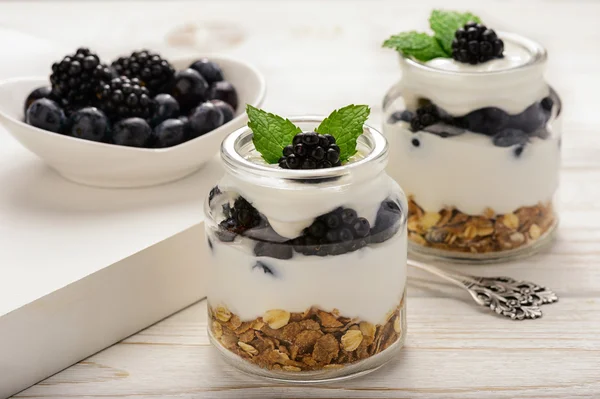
[270, 133]
[445, 23]
[345, 125]
[418, 45]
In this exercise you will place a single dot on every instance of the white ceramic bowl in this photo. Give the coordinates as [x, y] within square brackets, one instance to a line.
[108, 165]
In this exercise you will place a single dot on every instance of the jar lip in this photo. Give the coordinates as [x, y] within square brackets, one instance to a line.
[232, 158]
[538, 54]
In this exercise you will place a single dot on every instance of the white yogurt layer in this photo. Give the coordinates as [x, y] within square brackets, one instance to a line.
[459, 88]
[514, 56]
[366, 284]
[290, 209]
[470, 173]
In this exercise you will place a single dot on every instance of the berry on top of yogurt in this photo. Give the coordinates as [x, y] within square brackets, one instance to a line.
[474, 43]
[331, 144]
[457, 35]
[311, 150]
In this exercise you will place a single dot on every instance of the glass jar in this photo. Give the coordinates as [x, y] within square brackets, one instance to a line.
[477, 150]
[286, 304]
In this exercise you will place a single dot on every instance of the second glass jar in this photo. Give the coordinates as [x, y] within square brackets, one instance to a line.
[477, 149]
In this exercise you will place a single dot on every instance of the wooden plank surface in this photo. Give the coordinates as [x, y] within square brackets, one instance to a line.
[321, 55]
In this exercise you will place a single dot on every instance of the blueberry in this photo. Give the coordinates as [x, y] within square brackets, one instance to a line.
[386, 222]
[209, 70]
[361, 227]
[204, 118]
[509, 137]
[189, 88]
[519, 150]
[132, 132]
[349, 216]
[40, 92]
[346, 235]
[169, 133]
[273, 250]
[485, 120]
[89, 124]
[547, 103]
[224, 91]
[226, 109]
[166, 108]
[46, 114]
[533, 118]
[317, 229]
[332, 221]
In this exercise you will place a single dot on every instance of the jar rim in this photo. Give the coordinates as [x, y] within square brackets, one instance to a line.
[538, 54]
[233, 160]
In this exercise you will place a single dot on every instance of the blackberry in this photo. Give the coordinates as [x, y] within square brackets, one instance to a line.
[151, 69]
[239, 218]
[311, 150]
[474, 44]
[77, 77]
[334, 233]
[125, 98]
[426, 115]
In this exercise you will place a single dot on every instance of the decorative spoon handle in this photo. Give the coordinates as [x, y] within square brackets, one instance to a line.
[517, 300]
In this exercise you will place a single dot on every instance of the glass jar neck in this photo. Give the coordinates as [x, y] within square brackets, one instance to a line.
[243, 162]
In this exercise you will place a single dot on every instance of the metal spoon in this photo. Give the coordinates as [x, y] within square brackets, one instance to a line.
[517, 300]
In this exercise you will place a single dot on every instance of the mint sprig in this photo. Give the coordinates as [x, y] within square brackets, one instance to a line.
[345, 125]
[414, 44]
[271, 133]
[424, 47]
[445, 23]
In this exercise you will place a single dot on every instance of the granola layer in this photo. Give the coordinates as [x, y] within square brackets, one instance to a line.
[452, 230]
[308, 341]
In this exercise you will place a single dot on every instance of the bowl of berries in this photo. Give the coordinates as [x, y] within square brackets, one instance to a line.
[139, 121]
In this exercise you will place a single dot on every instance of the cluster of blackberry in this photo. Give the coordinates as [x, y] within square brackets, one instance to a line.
[139, 101]
[239, 218]
[76, 77]
[474, 43]
[150, 68]
[311, 150]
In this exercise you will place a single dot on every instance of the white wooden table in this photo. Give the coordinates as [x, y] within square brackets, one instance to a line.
[321, 55]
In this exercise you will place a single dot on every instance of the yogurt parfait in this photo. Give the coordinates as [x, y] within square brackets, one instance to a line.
[474, 134]
[309, 242]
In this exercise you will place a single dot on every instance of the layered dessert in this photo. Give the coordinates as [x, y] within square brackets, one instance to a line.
[475, 140]
[309, 253]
